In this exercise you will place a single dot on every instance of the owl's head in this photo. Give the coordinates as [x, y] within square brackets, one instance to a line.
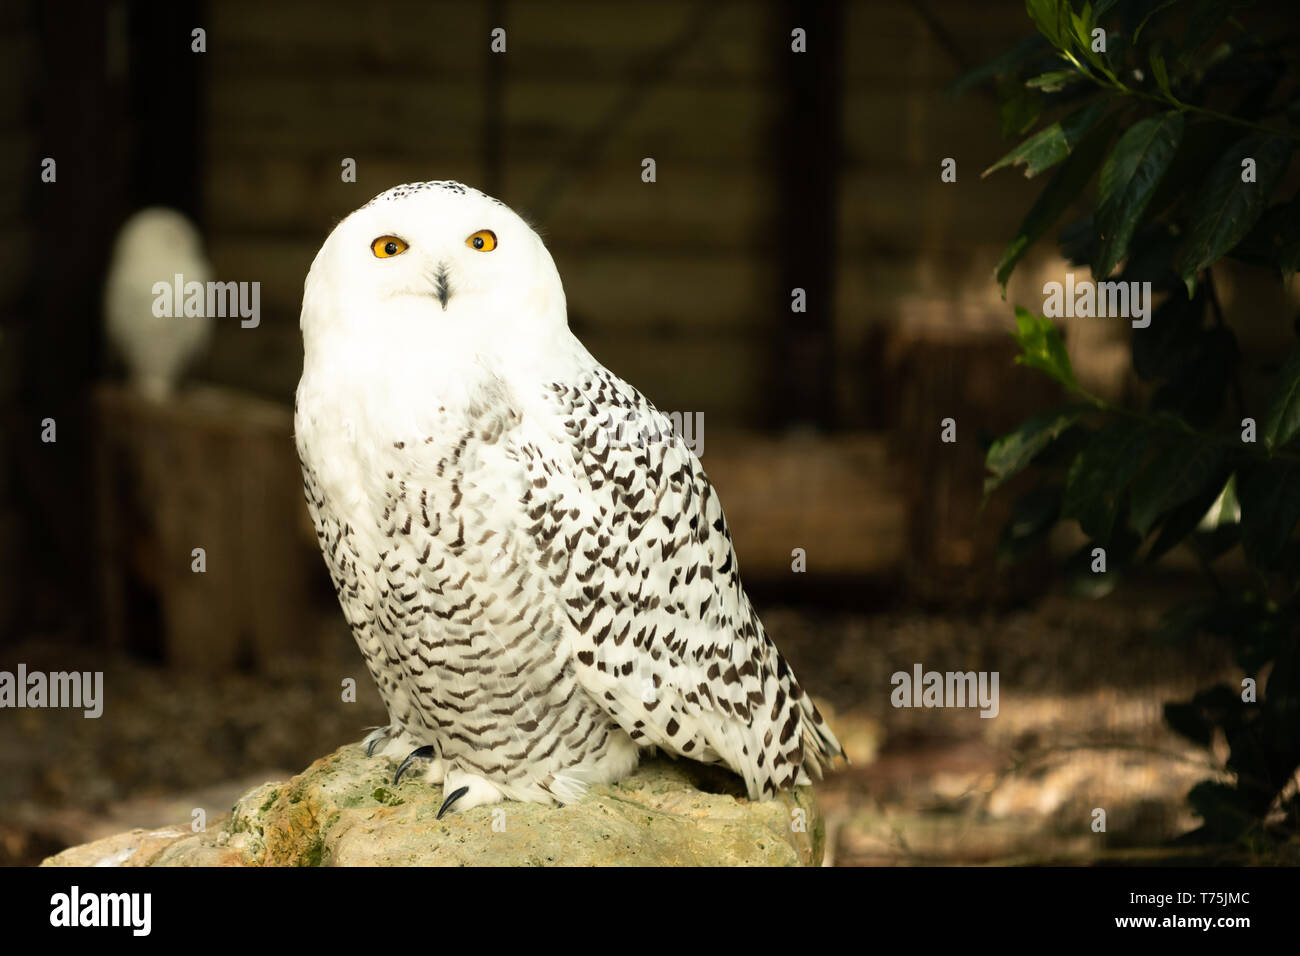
[157, 233]
[434, 262]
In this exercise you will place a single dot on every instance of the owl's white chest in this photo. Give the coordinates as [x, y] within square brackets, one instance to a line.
[438, 569]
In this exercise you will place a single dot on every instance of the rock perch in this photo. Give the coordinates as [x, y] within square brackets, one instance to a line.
[344, 810]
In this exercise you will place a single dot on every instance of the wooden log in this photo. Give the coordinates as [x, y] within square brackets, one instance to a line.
[213, 470]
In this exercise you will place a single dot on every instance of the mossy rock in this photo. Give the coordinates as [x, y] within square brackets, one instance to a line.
[344, 810]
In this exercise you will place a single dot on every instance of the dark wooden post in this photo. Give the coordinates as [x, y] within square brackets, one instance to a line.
[166, 105]
[117, 106]
[78, 113]
[806, 141]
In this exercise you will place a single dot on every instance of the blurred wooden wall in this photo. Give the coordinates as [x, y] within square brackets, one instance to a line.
[681, 286]
[17, 155]
[674, 285]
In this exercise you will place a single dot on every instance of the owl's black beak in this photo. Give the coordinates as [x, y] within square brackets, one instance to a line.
[442, 287]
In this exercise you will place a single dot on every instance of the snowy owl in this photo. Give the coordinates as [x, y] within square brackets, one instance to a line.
[537, 598]
[155, 245]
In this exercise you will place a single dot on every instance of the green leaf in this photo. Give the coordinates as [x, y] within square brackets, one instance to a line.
[1018, 107]
[1007, 63]
[1129, 178]
[1151, 255]
[1055, 81]
[1009, 455]
[1270, 508]
[1100, 474]
[1283, 418]
[1179, 472]
[1032, 518]
[1181, 182]
[1223, 512]
[1183, 520]
[1224, 208]
[1083, 27]
[1042, 348]
[1049, 146]
[1161, 73]
[1060, 192]
[1053, 19]
[1276, 239]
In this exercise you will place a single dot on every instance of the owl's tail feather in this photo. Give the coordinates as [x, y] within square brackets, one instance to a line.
[820, 745]
[568, 786]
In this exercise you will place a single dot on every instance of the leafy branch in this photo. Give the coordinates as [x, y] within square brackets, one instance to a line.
[1180, 186]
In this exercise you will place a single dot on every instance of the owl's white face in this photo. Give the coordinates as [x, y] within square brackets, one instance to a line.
[432, 265]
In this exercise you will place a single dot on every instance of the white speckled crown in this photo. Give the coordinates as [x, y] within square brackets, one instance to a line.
[408, 189]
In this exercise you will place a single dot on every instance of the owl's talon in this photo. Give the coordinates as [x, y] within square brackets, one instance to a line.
[419, 753]
[377, 736]
[465, 791]
[446, 804]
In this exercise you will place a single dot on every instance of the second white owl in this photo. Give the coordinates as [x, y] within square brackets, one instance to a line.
[154, 246]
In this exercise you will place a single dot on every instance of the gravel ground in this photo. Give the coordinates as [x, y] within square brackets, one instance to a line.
[1079, 728]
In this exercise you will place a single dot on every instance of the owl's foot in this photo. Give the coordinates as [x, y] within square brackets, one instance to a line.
[425, 754]
[464, 791]
[377, 737]
[392, 743]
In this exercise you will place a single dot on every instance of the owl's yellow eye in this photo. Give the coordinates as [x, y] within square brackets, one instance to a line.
[385, 247]
[485, 240]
